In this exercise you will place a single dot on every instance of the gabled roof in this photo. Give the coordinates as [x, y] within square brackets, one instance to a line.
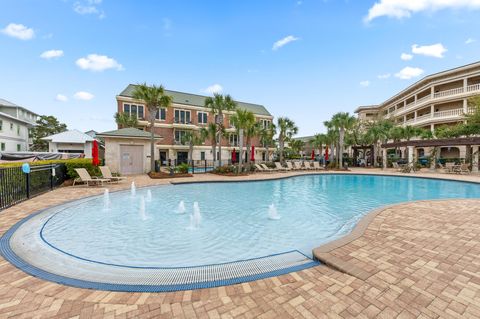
[199, 100]
[128, 132]
[72, 136]
[28, 123]
[6, 103]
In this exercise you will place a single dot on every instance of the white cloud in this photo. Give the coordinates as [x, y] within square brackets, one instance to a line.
[408, 73]
[365, 83]
[384, 76]
[50, 54]
[405, 8]
[18, 31]
[84, 96]
[280, 43]
[406, 57]
[95, 62]
[215, 88]
[89, 7]
[61, 98]
[434, 50]
[470, 40]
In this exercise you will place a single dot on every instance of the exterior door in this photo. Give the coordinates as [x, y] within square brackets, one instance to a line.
[182, 157]
[131, 159]
[163, 158]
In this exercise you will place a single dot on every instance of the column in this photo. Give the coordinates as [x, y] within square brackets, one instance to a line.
[433, 158]
[433, 92]
[465, 106]
[411, 149]
[475, 158]
[415, 115]
[432, 110]
[465, 84]
[432, 127]
[384, 158]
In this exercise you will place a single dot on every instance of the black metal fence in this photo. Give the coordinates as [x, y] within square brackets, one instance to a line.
[17, 186]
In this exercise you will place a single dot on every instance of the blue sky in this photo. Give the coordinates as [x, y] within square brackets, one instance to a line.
[303, 59]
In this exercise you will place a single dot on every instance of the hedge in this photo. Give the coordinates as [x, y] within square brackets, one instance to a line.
[71, 164]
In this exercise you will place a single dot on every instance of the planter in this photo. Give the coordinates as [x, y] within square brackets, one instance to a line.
[162, 175]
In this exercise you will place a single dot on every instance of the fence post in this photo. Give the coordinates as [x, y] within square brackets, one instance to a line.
[28, 185]
[205, 164]
[193, 166]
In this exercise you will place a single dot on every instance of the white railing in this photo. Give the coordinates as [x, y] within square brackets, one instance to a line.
[425, 98]
[454, 112]
[424, 116]
[448, 92]
[473, 88]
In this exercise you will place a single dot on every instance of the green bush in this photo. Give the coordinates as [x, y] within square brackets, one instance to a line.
[71, 164]
[182, 168]
[227, 169]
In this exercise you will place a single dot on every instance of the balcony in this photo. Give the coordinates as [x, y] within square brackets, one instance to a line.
[455, 114]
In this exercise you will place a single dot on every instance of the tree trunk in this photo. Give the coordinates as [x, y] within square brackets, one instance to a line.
[340, 155]
[220, 115]
[375, 151]
[214, 153]
[267, 155]
[240, 146]
[249, 150]
[281, 142]
[190, 153]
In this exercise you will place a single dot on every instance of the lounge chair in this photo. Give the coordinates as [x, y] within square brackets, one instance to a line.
[308, 166]
[84, 177]
[279, 167]
[449, 167]
[316, 166]
[260, 169]
[107, 174]
[290, 166]
[298, 166]
[463, 169]
[268, 169]
[399, 168]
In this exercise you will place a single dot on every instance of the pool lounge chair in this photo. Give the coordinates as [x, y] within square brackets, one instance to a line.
[316, 166]
[463, 169]
[449, 167]
[298, 166]
[308, 166]
[268, 169]
[84, 177]
[107, 174]
[279, 167]
[290, 166]
[261, 169]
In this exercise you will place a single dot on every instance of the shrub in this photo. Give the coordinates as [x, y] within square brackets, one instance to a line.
[71, 164]
[227, 169]
[182, 168]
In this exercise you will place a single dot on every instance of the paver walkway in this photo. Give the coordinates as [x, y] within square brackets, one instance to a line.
[422, 260]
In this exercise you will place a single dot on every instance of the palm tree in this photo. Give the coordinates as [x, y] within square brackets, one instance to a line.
[125, 120]
[192, 138]
[243, 121]
[296, 145]
[210, 133]
[287, 129]
[332, 137]
[266, 137]
[343, 122]
[154, 98]
[318, 141]
[218, 104]
[378, 132]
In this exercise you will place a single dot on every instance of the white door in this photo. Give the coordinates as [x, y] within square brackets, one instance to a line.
[131, 159]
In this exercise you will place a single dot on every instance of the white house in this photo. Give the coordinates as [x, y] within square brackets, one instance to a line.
[15, 122]
[72, 141]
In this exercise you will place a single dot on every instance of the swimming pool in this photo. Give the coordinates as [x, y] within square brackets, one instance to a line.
[233, 221]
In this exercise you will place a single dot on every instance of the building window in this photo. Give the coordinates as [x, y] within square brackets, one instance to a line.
[161, 114]
[134, 110]
[233, 139]
[202, 156]
[202, 117]
[2, 146]
[19, 147]
[18, 130]
[1, 125]
[11, 126]
[265, 123]
[179, 136]
[182, 116]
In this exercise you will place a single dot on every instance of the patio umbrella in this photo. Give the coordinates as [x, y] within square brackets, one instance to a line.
[252, 154]
[234, 156]
[95, 160]
[313, 155]
[326, 153]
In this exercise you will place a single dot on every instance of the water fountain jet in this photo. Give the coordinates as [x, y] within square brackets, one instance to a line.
[272, 212]
[133, 189]
[142, 213]
[181, 207]
[106, 200]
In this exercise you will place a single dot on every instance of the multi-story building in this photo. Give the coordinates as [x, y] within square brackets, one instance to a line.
[15, 123]
[189, 113]
[436, 100]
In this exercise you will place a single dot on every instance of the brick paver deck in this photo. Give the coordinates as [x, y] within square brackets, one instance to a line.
[418, 260]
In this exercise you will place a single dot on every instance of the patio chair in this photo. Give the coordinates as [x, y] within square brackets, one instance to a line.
[308, 166]
[107, 174]
[449, 167]
[84, 177]
[298, 166]
[268, 169]
[260, 169]
[316, 166]
[463, 169]
[290, 166]
[280, 167]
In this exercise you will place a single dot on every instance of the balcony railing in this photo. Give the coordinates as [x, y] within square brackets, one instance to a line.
[473, 88]
[423, 99]
[448, 113]
[423, 117]
[448, 92]
[180, 121]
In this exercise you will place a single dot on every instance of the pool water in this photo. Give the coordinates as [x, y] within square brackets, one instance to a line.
[235, 223]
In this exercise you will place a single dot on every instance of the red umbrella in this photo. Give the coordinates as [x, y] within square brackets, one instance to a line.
[313, 155]
[95, 160]
[326, 153]
[234, 156]
[252, 155]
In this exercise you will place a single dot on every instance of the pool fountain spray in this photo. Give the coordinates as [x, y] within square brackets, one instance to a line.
[106, 200]
[149, 196]
[196, 217]
[272, 212]
[142, 213]
[181, 207]
[133, 189]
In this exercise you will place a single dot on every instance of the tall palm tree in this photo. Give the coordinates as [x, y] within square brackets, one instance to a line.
[124, 120]
[266, 138]
[343, 122]
[218, 104]
[377, 132]
[296, 145]
[332, 138]
[192, 138]
[287, 129]
[210, 133]
[243, 121]
[154, 98]
[318, 141]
